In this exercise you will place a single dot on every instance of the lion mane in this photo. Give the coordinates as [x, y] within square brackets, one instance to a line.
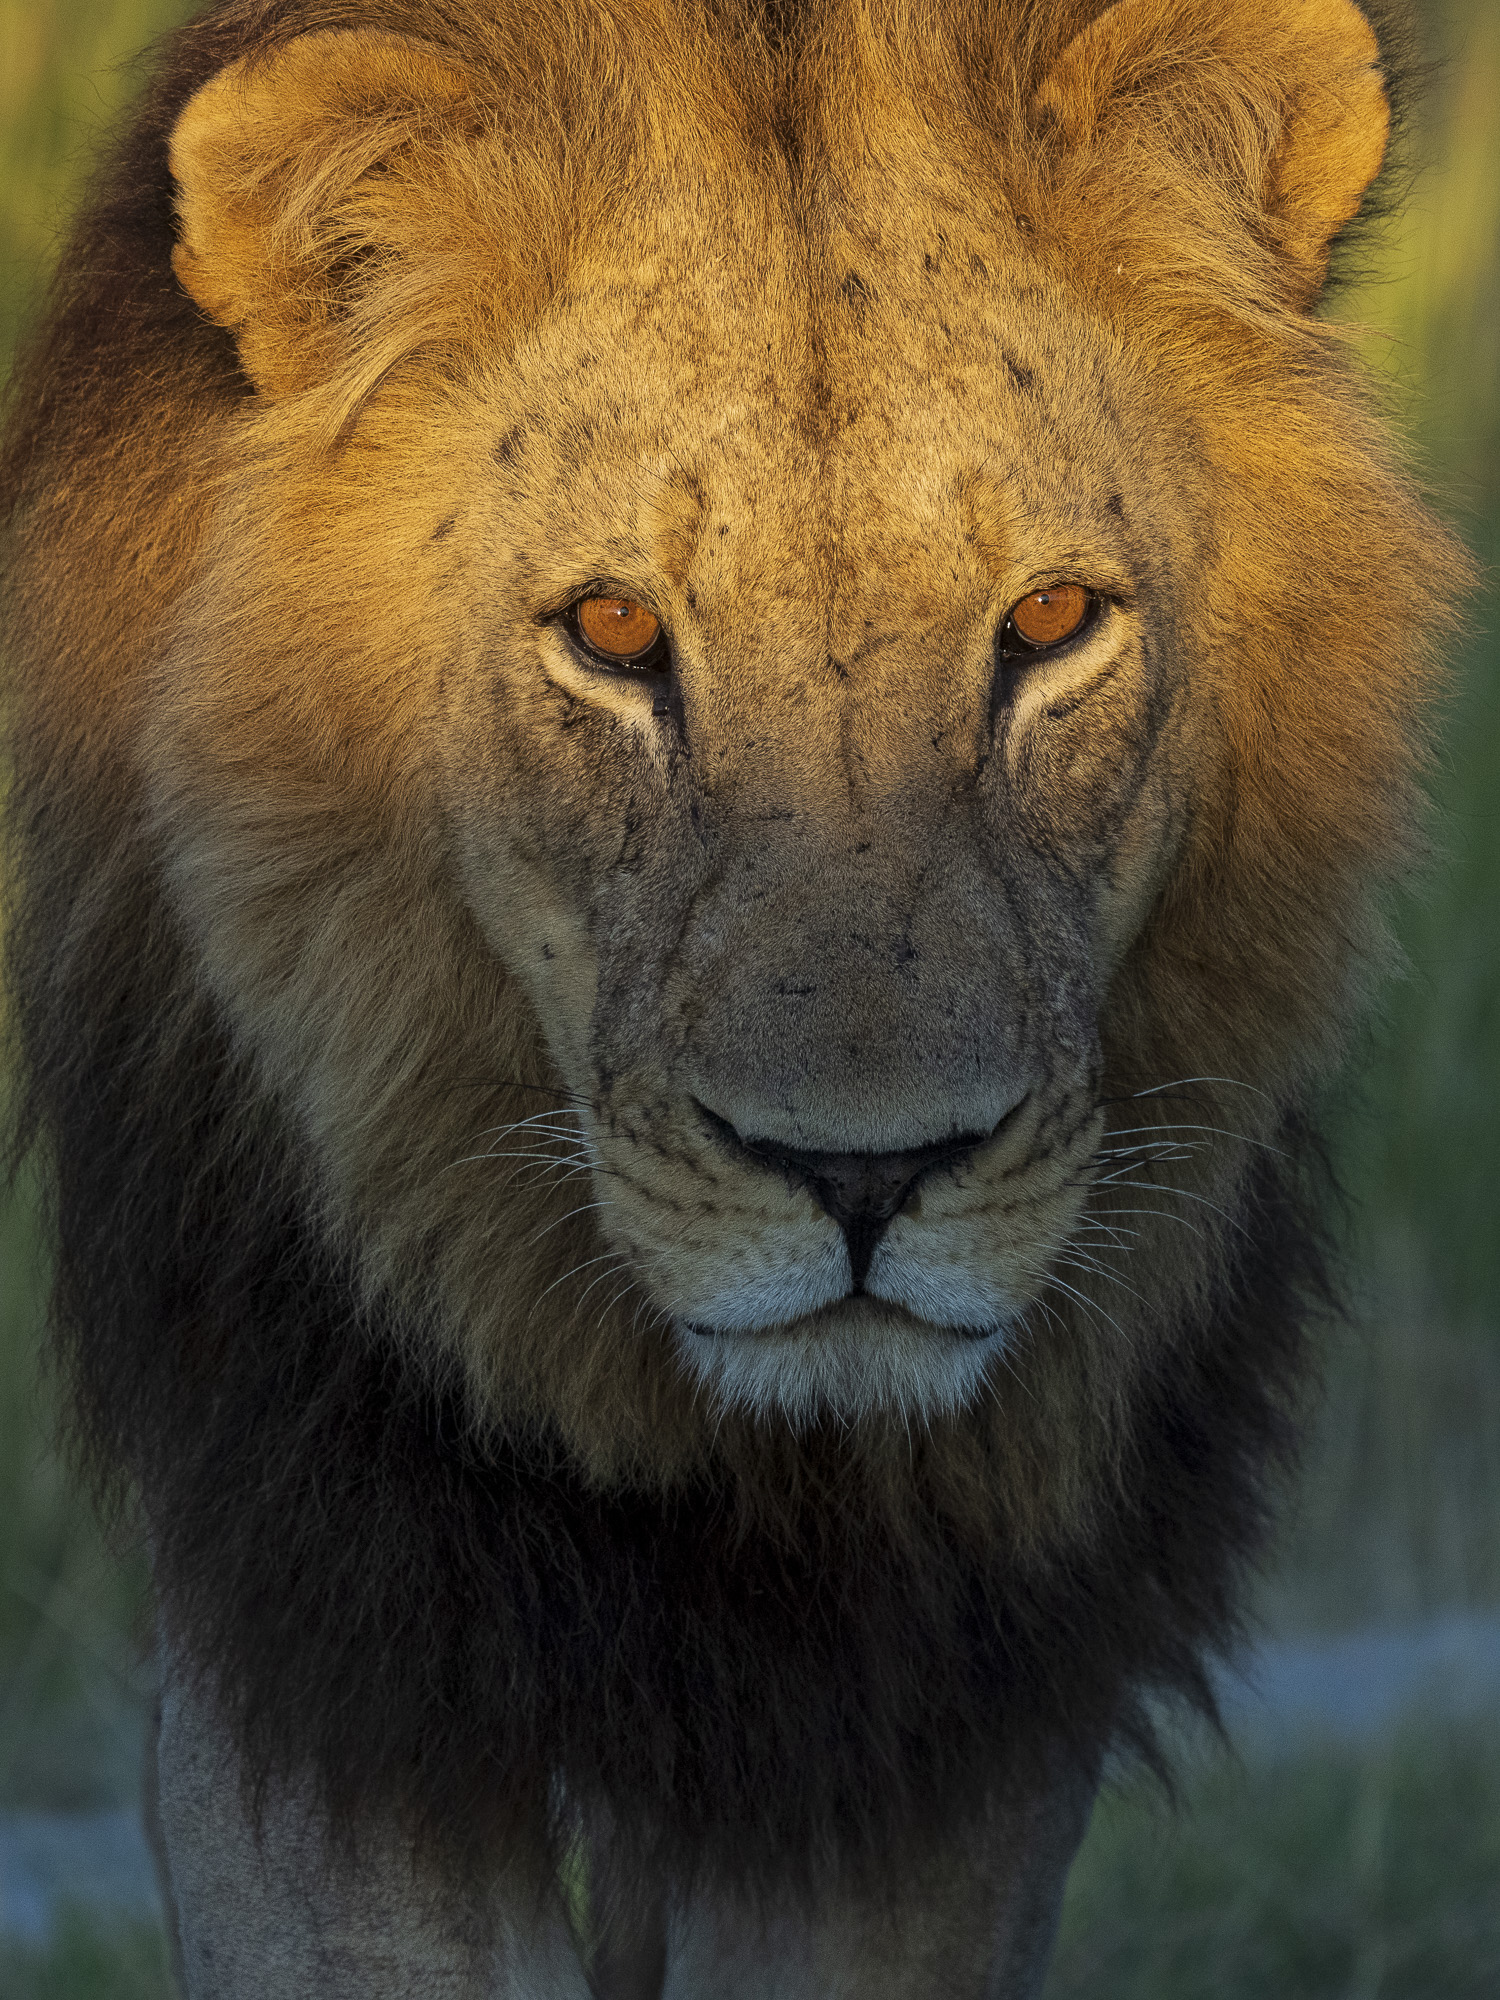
[450, 1522]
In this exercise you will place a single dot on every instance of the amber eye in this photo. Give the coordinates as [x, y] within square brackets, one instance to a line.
[1047, 617]
[617, 628]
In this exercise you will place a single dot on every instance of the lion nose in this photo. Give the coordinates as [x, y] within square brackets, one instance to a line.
[863, 1192]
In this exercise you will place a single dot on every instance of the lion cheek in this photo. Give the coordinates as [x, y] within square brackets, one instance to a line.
[530, 918]
[1102, 790]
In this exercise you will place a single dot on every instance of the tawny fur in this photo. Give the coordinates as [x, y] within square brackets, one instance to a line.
[837, 329]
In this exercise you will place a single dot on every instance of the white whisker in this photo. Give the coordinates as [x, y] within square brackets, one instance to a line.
[587, 1264]
[1186, 1083]
[1116, 1236]
[620, 1264]
[545, 1159]
[1142, 1159]
[1216, 1131]
[1090, 1306]
[1186, 1194]
[1095, 1269]
[586, 1208]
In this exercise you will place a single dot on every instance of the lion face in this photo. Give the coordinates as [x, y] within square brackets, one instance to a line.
[821, 905]
[612, 669]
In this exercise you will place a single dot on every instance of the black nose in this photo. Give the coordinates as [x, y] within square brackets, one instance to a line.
[863, 1192]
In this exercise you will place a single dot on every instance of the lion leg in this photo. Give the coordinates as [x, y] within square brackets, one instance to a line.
[280, 1912]
[977, 1922]
[156, 1840]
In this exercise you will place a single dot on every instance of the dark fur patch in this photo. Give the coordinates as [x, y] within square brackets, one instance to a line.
[445, 1626]
[856, 296]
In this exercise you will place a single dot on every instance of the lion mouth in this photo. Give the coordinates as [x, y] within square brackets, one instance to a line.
[814, 1324]
[852, 1358]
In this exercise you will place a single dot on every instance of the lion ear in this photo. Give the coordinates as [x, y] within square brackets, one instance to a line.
[1288, 95]
[301, 180]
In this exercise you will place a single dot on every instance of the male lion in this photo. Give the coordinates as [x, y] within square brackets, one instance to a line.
[709, 705]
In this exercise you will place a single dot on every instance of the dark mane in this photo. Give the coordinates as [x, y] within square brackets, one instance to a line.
[447, 1625]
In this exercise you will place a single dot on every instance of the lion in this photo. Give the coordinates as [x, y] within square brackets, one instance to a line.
[710, 711]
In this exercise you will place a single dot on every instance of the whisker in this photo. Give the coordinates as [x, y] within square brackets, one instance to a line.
[1166, 1213]
[537, 1135]
[587, 1208]
[1167, 1134]
[1161, 1215]
[1174, 1150]
[581, 1160]
[1091, 1306]
[1116, 1236]
[620, 1264]
[1003, 1355]
[1184, 1125]
[587, 1263]
[554, 1112]
[1098, 1270]
[514, 1153]
[1119, 1173]
[646, 1304]
[1186, 1194]
[1185, 1082]
[1161, 1142]
[530, 1176]
[1053, 1315]
[517, 1083]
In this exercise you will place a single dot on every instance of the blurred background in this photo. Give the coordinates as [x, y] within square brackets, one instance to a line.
[1350, 1846]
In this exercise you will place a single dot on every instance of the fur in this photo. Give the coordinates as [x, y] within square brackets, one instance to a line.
[452, 1529]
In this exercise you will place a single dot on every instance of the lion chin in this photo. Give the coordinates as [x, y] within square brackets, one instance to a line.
[850, 1358]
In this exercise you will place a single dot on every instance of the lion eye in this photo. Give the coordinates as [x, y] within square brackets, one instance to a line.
[617, 628]
[1047, 617]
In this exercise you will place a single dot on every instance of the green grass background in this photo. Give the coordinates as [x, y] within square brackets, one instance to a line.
[1368, 1874]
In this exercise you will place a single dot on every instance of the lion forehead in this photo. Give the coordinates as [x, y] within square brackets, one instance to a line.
[862, 406]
